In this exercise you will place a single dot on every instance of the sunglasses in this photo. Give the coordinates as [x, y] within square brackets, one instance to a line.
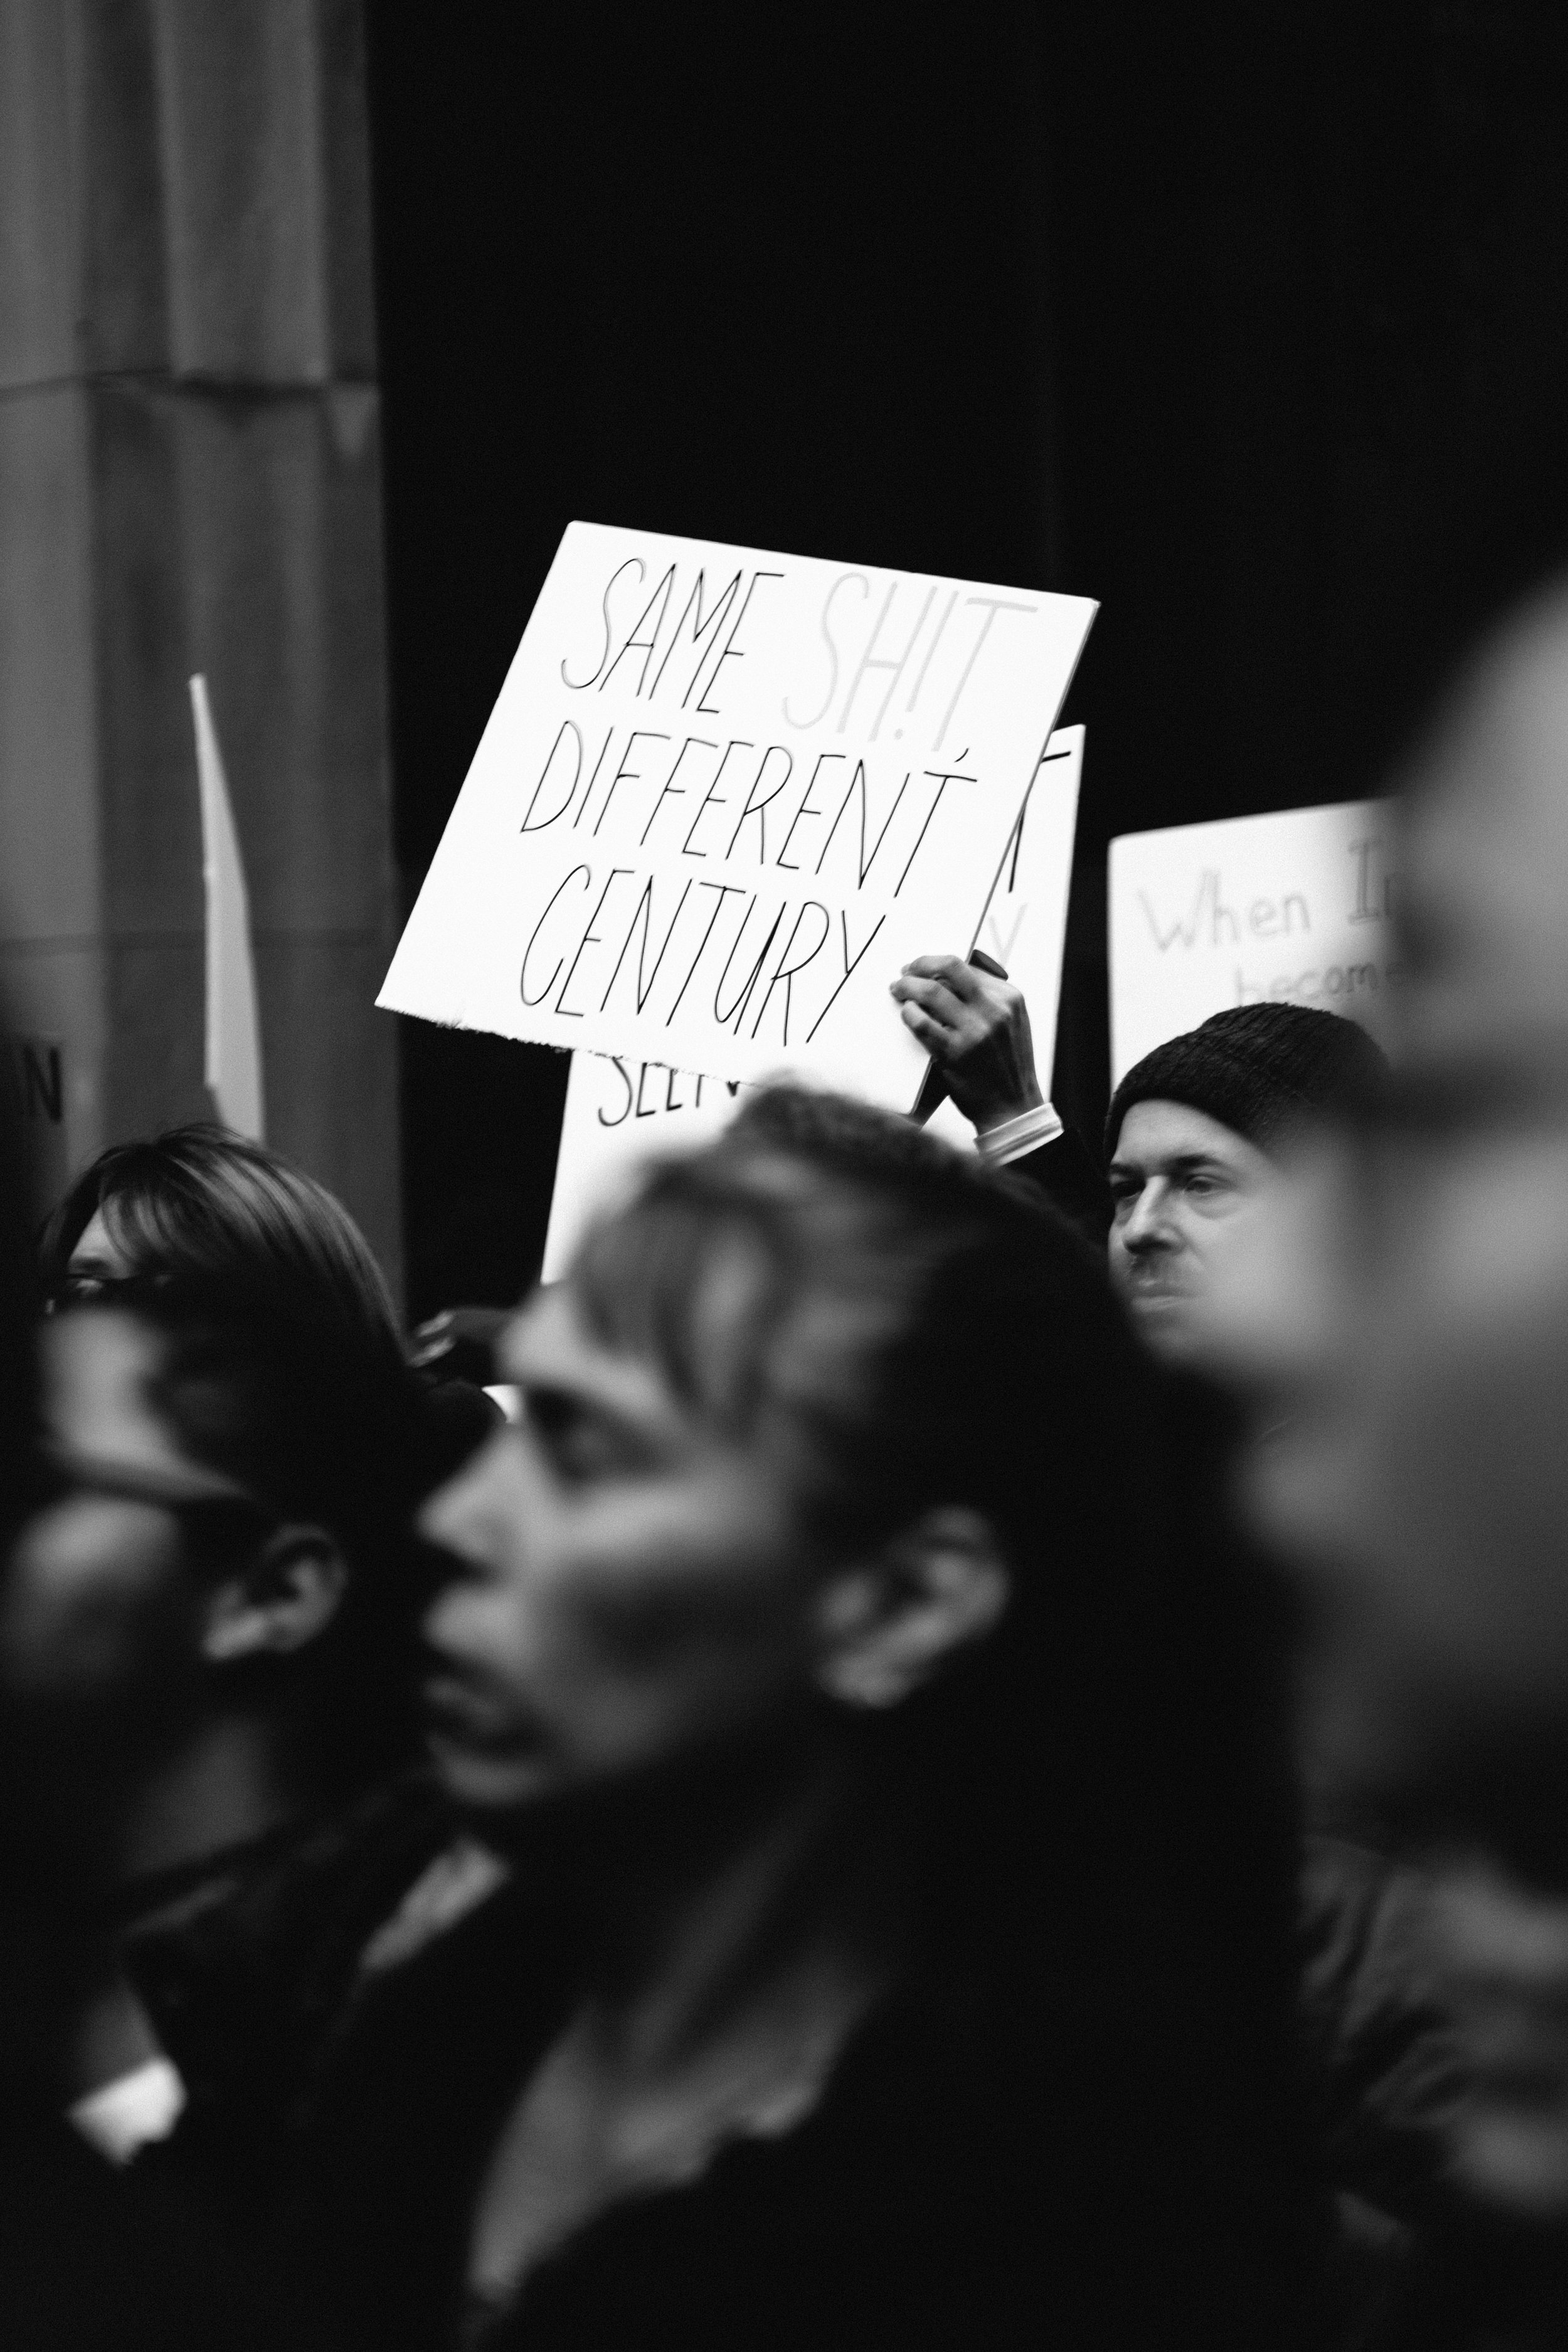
[97, 1290]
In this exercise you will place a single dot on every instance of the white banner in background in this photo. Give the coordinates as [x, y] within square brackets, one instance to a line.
[723, 796]
[1291, 908]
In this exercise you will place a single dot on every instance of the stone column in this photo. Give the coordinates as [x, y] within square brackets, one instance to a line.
[189, 480]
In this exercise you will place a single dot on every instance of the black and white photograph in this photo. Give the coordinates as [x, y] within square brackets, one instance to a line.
[784, 1176]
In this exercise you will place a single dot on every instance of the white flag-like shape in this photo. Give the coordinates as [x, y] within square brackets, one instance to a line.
[234, 1038]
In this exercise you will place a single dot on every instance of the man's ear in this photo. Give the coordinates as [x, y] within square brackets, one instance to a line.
[889, 1624]
[288, 1592]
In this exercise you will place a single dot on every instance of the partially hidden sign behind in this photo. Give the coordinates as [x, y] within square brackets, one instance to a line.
[619, 1117]
[723, 797]
[1289, 909]
[622, 1114]
[1024, 928]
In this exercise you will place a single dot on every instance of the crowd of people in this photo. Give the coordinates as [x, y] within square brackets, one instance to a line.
[981, 1759]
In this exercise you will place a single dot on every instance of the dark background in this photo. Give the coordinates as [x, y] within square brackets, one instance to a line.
[1247, 321]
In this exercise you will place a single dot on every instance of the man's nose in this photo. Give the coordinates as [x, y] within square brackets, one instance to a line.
[1148, 1226]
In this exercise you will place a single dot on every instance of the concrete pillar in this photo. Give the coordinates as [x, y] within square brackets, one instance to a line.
[189, 480]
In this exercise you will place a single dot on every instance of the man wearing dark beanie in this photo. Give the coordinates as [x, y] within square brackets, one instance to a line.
[1192, 1141]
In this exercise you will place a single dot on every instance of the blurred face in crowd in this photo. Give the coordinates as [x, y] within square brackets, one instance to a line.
[1406, 1328]
[637, 1586]
[1409, 1314]
[1186, 1192]
[103, 1617]
[639, 1590]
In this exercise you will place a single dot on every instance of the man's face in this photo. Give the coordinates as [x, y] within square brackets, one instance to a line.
[1421, 1482]
[635, 1588]
[1185, 1191]
[1400, 1326]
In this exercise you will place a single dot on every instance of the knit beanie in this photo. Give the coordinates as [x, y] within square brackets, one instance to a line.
[1258, 1068]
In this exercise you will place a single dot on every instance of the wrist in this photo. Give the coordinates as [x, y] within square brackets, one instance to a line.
[1029, 1131]
[1008, 1108]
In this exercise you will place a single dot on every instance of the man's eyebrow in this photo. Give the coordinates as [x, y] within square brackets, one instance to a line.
[1178, 1163]
[1185, 1163]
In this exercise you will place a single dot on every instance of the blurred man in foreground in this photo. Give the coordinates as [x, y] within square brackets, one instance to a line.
[1198, 1137]
[1409, 1319]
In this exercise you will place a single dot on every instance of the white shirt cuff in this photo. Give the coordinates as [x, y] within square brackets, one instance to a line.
[1016, 1137]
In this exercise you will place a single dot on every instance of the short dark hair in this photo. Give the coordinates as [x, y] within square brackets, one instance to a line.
[303, 1409]
[292, 1404]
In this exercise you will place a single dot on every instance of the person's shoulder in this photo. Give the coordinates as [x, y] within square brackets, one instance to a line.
[244, 1975]
[1065, 1173]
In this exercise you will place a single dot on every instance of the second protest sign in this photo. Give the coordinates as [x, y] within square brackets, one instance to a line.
[1290, 908]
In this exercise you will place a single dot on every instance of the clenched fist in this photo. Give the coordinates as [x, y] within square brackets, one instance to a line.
[976, 1028]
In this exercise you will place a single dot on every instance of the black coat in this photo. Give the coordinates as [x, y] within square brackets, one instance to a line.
[971, 2178]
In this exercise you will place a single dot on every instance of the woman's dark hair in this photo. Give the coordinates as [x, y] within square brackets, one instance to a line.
[198, 1202]
[1102, 1801]
[304, 1408]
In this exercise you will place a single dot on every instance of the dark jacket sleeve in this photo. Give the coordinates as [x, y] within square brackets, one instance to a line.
[1071, 1181]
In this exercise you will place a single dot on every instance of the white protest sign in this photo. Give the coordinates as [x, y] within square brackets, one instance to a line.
[1292, 908]
[620, 1115]
[1023, 927]
[723, 797]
